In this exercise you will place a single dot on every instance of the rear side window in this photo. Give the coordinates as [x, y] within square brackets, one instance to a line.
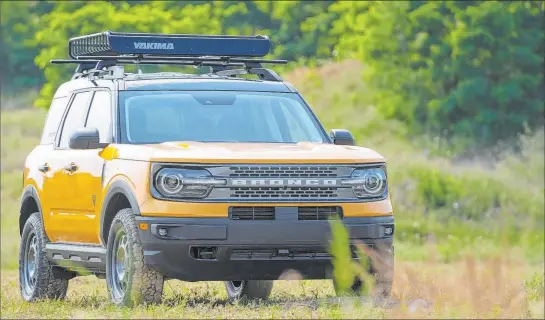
[100, 115]
[54, 116]
[75, 119]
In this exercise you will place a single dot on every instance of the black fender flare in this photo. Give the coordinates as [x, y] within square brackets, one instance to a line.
[117, 187]
[29, 192]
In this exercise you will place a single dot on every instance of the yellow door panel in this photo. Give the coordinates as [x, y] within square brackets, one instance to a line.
[76, 191]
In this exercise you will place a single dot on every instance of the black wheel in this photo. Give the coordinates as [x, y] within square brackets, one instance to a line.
[252, 289]
[129, 280]
[38, 278]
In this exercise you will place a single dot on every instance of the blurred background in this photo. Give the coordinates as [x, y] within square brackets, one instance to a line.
[450, 92]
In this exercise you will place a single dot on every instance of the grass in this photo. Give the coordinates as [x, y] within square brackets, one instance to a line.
[472, 289]
[469, 231]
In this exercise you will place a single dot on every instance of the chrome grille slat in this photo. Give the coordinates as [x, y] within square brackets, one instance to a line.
[291, 171]
[252, 182]
[284, 192]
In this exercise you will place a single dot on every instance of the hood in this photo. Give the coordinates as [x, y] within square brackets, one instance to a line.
[229, 152]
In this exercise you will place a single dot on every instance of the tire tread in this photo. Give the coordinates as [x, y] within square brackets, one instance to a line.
[50, 284]
[147, 283]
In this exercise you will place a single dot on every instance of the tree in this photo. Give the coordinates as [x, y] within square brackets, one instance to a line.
[19, 22]
[456, 69]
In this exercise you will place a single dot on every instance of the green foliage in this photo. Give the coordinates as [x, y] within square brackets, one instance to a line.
[535, 287]
[19, 22]
[299, 29]
[466, 72]
[345, 268]
[455, 69]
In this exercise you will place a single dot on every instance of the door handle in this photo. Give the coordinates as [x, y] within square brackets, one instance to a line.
[71, 167]
[43, 168]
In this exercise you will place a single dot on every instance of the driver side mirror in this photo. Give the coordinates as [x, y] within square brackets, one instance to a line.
[86, 138]
[342, 137]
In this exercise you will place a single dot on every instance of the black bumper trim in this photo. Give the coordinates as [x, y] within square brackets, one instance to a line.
[173, 253]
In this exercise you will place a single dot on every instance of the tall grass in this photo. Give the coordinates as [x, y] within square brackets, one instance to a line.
[492, 288]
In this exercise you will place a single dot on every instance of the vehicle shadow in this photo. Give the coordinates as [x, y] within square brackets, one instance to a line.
[286, 302]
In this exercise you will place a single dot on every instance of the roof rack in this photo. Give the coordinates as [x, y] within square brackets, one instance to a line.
[97, 53]
[121, 43]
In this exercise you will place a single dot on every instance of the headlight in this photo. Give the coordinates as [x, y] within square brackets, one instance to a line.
[185, 183]
[368, 182]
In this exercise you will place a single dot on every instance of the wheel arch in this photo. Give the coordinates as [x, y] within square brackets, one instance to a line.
[30, 203]
[119, 196]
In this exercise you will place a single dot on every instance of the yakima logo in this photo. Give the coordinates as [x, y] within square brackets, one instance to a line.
[154, 45]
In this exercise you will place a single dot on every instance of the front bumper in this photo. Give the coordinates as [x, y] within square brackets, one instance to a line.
[214, 249]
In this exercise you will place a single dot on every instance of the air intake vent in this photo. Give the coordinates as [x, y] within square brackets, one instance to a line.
[251, 213]
[320, 213]
[302, 253]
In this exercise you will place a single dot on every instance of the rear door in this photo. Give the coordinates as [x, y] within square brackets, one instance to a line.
[63, 220]
[38, 166]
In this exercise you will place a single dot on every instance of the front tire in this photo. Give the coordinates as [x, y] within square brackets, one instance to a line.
[130, 281]
[252, 289]
[38, 278]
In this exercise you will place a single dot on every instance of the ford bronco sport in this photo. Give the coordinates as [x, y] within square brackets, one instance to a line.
[144, 177]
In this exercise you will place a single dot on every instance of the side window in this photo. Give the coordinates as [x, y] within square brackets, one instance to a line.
[75, 118]
[100, 115]
[53, 120]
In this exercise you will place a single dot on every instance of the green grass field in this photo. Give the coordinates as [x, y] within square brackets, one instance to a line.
[469, 231]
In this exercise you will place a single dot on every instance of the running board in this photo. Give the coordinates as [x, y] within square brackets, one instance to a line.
[77, 257]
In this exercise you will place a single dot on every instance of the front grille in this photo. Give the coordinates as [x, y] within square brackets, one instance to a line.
[284, 192]
[280, 253]
[319, 213]
[290, 171]
[251, 213]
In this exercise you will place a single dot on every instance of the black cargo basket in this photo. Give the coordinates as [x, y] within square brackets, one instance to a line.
[110, 43]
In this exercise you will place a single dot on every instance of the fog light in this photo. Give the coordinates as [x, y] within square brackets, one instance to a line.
[162, 232]
[388, 230]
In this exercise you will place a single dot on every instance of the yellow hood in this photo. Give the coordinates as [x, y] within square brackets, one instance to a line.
[228, 152]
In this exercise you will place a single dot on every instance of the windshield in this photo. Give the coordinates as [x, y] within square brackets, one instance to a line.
[216, 116]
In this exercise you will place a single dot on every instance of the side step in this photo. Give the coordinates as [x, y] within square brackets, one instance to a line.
[77, 257]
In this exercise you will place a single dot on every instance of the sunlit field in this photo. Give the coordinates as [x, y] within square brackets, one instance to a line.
[467, 289]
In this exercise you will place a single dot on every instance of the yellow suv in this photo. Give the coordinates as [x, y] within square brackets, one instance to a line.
[144, 177]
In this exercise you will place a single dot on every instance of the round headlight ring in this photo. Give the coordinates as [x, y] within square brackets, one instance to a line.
[170, 183]
[373, 182]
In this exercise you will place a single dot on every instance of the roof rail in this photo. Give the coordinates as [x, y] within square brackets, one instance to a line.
[96, 53]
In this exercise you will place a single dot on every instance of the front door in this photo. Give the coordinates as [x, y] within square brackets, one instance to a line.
[88, 166]
[78, 173]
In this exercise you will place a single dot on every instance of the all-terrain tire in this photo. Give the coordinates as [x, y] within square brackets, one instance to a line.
[250, 289]
[138, 283]
[38, 278]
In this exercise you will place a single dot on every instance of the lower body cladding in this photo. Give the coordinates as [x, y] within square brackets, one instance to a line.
[212, 249]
